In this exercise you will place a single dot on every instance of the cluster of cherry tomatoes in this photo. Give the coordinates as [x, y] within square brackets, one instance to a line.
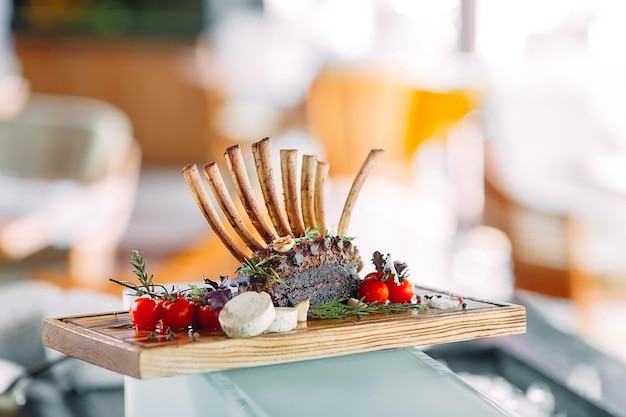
[378, 289]
[173, 312]
[388, 283]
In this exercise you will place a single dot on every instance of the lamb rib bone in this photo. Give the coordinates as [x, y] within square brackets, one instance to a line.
[194, 182]
[216, 182]
[367, 166]
[321, 174]
[289, 170]
[261, 151]
[307, 191]
[236, 166]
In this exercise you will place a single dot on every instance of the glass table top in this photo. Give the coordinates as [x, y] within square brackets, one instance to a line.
[396, 382]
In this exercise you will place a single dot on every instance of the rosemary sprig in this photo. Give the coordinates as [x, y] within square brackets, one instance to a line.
[146, 282]
[138, 262]
[339, 309]
[260, 267]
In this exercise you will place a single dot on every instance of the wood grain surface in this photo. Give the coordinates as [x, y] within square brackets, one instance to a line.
[110, 341]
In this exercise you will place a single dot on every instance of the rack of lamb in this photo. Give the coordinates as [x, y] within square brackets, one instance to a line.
[292, 255]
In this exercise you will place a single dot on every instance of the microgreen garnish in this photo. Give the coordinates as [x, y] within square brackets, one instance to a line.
[402, 268]
[308, 234]
[195, 291]
[394, 270]
[339, 309]
[329, 233]
[215, 294]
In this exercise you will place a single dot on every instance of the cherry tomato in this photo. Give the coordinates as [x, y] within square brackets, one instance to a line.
[374, 275]
[178, 314]
[145, 313]
[208, 318]
[400, 292]
[373, 291]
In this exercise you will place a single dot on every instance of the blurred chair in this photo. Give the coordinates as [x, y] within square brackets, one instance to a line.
[69, 168]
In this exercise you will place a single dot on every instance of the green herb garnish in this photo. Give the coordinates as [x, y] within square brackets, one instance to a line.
[330, 233]
[146, 282]
[260, 267]
[339, 309]
[138, 262]
[308, 234]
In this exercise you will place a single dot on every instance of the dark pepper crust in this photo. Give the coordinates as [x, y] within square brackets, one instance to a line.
[322, 268]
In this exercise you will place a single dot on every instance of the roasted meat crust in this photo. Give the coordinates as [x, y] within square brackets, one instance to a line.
[321, 268]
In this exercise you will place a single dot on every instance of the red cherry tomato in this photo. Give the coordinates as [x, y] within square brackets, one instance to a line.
[178, 314]
[374, 275]
[208, 318]
[373, 291]
[400, 292]
[145, 313]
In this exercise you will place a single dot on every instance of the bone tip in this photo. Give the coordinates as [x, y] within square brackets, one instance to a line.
[232, 148]
[263, 141]
[189, 167]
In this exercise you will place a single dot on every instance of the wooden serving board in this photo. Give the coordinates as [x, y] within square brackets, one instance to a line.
[109, 340]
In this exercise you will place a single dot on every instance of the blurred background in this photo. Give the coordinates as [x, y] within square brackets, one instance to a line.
[503, 123]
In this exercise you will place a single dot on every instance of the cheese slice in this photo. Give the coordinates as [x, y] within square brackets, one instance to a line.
[247, 314]
[286, 319]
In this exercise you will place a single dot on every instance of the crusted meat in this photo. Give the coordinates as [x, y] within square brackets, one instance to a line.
[322, 268]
